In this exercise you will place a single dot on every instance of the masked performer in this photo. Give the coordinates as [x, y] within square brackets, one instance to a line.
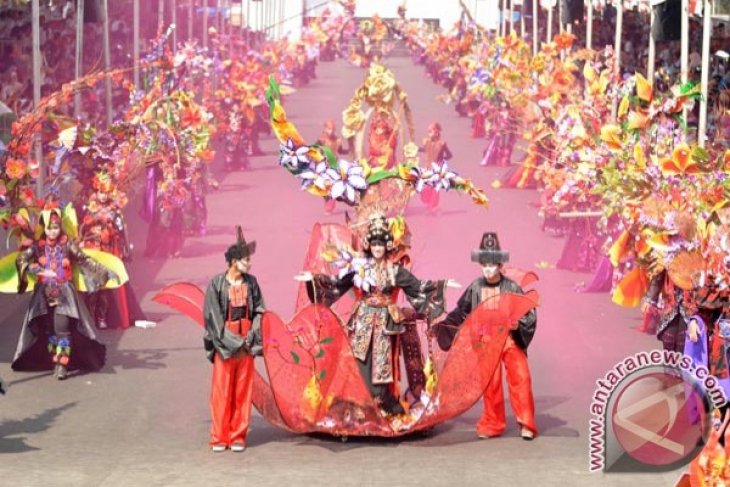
[103, 228]
[514, 356]
[232, 312]
[376, 318]
[56, 318]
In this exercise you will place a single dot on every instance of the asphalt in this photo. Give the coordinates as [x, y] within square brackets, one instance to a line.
[144, 419]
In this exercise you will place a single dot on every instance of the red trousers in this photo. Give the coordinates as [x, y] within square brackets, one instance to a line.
[493, 421]
[230, 399]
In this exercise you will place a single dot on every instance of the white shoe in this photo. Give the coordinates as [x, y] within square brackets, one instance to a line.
[238, 447]
[527, 435]
[218, 448]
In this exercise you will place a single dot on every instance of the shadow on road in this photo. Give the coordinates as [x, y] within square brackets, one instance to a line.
[11, 442]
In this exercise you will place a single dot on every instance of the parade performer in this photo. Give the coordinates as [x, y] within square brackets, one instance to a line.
[382, 141]
[232, 312]
[490, 285]
[435, 150]
[376, 319]
[103, 228]
[57, 318]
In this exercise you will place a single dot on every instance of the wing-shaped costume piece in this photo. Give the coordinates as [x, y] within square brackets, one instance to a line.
[326, 238]
[9, 274]
[474, 356]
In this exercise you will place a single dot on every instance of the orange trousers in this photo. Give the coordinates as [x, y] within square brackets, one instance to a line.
[230, 399]
[493, 421]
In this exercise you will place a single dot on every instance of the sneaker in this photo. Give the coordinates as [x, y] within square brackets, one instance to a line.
[60, 372]
[218, 448]
[527, 435]
[238, 447]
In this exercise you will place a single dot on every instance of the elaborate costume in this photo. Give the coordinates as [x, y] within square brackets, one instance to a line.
[103, 228]
[376, 318]
[437, 151]
[382, 141]
[514, 357]
[232, 312]
[57, 318]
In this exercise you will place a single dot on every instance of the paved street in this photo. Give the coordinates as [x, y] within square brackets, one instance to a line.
[144, 419]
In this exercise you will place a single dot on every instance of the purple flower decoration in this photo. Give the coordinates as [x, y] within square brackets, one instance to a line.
[317, 177]
[347, 179]
[420, 176]
[294, 157]
[441, 177]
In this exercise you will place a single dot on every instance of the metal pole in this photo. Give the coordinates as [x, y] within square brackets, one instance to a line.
[706, 32]
[511, 16]
[160, 14]
[684, 59]
[205, 24]
[589, 26]
[503, 18]
[173, 12]
[617, 47]
[282, 14]
[550, 23]
[560, 16]
[191, 9]
[218, 17]
[79, 54]
[36, 32]
[248, 24]
[651, 63]
[522, 19]
[107, 61]
[535, 33]
[135, 42]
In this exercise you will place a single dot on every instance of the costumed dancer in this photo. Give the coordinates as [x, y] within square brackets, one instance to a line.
[103, 228]
[57, 318]
[236, 150]
[376, 318]
[435, 150]
[232, 313]
[514, 354]
[382, 141]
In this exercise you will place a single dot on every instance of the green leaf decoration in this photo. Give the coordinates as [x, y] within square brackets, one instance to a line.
[322, 374]
[700, 154]
[295, 357]
[320, 354]
[326, 340]
[273, 94]
[378, 176]
[331, 157]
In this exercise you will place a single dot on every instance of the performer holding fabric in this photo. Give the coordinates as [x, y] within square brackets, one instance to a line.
[56, 312]
[376, 318]
[514, 356]
[232, 312]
